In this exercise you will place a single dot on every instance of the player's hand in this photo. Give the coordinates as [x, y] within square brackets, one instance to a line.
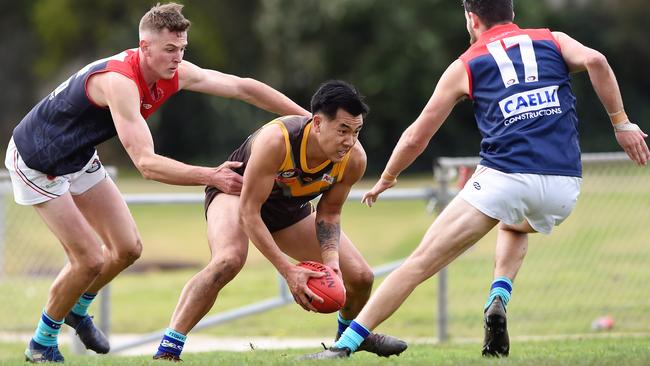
[330, 258]
[226, 180]
[296, 278]
[334, 265]
[633, 142]
[382, 184]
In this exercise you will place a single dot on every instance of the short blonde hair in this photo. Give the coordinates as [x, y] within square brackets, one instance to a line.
[167, 16]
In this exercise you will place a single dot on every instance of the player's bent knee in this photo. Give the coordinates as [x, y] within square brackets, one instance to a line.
[90, 266]
[360, 280]
[130, 253]
[136, 251]
[225, 268]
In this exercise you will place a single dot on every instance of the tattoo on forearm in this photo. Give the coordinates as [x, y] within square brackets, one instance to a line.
[328, 235]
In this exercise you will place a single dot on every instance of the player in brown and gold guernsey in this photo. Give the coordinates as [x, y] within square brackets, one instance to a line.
[286, 164]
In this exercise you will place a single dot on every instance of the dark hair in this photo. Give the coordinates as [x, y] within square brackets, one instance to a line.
[164, 16]
[335, 94]
[491, 12]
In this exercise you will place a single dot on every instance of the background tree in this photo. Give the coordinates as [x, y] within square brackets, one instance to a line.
[394, 52]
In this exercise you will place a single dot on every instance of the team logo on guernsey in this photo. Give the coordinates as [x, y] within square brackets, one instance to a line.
[532, 100]
[328, 178]
[289, 173]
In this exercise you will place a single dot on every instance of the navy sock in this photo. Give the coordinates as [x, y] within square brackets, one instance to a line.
[172, 342]
[343, 323]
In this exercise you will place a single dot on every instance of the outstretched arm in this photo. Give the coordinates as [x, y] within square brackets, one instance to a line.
[121, 96]
[452, 87]
[194, 78]
[581, 58]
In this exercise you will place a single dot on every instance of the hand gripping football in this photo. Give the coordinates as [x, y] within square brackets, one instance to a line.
[329, 287]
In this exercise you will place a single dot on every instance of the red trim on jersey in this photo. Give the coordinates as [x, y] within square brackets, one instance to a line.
[542, 34]
[469, 78]
[102, 72]
[118, 66]
[476, 50]
[502, 31]
[498, 32]
[130, 67]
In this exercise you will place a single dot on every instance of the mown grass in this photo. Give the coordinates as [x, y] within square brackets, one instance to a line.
[570, 352]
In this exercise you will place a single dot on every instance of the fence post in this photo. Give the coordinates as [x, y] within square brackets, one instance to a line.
[443, 175]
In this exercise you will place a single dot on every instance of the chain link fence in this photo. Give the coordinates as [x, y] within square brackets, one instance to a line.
[591, 274]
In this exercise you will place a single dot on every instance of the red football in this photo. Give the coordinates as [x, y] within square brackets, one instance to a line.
[329, 287]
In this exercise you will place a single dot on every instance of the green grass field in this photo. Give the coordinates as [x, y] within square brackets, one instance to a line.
[577, 352]
[594, 264]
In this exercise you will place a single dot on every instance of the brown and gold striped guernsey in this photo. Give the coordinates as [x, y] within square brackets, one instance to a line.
[295, 180]
[295, 183]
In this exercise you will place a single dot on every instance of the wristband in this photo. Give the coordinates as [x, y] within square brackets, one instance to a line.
[388, 176]
[626, 126]
[618, 117]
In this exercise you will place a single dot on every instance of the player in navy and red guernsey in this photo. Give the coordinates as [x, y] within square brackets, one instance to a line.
[58, 136]
[54, 165]
[529, 177]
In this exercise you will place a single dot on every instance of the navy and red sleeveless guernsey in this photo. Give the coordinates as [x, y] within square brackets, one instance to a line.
[58, 136]
[523, 102]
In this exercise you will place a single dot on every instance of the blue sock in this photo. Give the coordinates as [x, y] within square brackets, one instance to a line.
[343, 323]
[81, 307]
[352, 337]
[172, 342]
[502, 287]
[47, 332]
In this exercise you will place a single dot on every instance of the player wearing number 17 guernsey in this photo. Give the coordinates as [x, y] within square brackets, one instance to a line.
[529, 177]
[54, 166]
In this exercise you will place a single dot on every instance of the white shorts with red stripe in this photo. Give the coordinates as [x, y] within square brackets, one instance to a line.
[543, 200]
[32, 187]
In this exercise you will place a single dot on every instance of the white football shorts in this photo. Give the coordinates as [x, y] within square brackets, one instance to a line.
[32, 187]
[544, 200]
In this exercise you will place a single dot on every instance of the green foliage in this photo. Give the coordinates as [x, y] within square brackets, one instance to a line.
[58, 27]
[393, 52]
